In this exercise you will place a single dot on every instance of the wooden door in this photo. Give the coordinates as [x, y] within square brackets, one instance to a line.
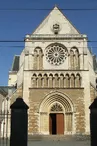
[60, 123]
[52, 123]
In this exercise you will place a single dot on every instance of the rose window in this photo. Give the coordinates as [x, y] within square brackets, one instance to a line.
[56, 54]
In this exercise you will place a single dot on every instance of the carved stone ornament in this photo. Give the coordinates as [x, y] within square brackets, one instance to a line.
[56, 28]
[26, 52]
[56, 107]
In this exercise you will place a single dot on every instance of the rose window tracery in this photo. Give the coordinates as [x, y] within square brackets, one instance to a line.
[56, 54]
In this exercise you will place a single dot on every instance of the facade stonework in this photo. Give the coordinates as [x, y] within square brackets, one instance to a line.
[77, 117]
[92, 93]
[17, 93]
[56, 73]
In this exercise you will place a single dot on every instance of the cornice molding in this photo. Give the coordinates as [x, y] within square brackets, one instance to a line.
[55, 37]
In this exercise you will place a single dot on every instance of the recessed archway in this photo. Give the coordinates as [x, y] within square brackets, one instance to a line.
[56, 119]
[56, 109]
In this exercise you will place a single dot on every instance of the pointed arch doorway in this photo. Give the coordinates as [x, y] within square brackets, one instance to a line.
[56, 114]
[56, 119]
[56, 123]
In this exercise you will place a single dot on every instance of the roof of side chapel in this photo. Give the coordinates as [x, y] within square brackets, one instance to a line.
[15, 64]
[58, 11]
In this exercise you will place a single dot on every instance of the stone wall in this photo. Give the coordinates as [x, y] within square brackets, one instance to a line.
[38, 95]
[80, 115]
[92, 93]
[33, 118]
[18, 92]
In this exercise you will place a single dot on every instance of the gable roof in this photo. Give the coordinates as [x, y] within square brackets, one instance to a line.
[56, 16]
[15, 64]
[94, 62]
[4, 90]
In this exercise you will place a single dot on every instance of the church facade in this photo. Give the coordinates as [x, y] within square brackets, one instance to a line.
[55, 77]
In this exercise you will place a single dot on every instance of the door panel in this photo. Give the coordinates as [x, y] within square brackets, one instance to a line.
[53, 123]
[56, 123]
[50, 124]
[60, 123]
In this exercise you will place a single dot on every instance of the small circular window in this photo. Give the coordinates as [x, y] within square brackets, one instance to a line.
[56, 54]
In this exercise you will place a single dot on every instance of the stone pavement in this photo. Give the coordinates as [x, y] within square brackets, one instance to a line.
[59, 141]
[54, 141]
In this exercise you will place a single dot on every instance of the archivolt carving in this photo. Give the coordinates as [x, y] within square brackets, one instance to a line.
[59, 98]
[58, 102]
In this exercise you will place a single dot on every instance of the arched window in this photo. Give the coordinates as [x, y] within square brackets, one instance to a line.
[72, 81]
[45, 80]
[38, 58]
[40, 80]
[71, 59]
[77, 65]
[34, 80]
[61, 80]
[56, 80]
[67, 80]
[35, 59]
[78, 81]
[74, 58]
[51, 80]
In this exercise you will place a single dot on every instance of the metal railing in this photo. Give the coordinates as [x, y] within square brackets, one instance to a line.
[4, 128]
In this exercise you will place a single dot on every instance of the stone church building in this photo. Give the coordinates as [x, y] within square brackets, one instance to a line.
[55, 76]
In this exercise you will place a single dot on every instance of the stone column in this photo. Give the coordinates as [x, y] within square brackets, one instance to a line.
[30, 62]
[81, 61]
[26, 62]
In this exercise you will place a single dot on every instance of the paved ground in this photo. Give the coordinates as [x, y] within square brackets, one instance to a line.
[54, 141]
[59, 140]
[59, 143]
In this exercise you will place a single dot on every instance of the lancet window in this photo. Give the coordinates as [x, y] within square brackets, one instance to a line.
[67, 80]
[38, 58]
[71, 59]
[45, 80]
[74, 58]
[34, 80]
[39, 80]
[61, 79]
[72, 81]
[78, 81]
[56, 80]
[51, 80]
